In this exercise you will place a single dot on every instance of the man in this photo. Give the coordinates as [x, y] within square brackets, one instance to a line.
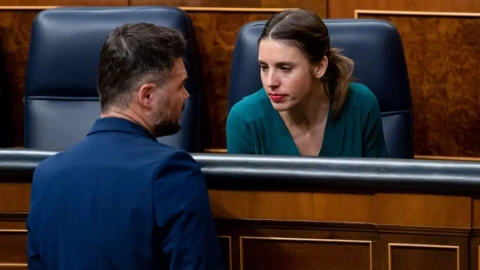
[119, 199]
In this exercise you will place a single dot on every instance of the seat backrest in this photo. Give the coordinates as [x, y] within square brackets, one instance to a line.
[61, 98]
[376, 48]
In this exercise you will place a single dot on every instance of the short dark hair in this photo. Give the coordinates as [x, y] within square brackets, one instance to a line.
[134, 54]
[306, 31]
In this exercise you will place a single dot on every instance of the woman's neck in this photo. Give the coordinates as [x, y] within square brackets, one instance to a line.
[311, 111]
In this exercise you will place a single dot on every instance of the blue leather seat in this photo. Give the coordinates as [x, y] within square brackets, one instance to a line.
[377, 50]
[61, 99]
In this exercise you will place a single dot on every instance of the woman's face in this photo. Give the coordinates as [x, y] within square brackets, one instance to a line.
[287, 75]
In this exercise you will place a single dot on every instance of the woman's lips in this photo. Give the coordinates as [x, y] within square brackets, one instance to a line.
[276, 97]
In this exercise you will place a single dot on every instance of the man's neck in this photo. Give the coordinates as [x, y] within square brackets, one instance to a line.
[129, 115]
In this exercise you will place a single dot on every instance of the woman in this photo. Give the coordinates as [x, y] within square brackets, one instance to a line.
[308, 105]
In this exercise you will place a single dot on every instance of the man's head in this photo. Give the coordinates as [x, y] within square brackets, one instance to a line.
[141, 76]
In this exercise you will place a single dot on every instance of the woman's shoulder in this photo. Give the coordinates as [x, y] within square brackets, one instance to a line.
[361, 97]
[251, 107]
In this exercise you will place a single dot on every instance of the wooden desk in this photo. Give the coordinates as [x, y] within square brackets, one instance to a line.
[314, 227]
[326, 230]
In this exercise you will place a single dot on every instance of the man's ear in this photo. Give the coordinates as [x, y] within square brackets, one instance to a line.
[145, 94]
[320, 68]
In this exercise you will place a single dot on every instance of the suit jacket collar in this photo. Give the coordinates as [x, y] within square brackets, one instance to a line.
[118, 125]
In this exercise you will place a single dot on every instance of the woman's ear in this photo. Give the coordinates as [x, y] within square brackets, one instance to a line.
[320, 68]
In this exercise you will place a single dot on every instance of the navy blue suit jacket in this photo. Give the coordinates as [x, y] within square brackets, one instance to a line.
[121, 200]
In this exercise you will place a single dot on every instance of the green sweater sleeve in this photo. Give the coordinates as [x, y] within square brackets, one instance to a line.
[374, 141]
[239, 136]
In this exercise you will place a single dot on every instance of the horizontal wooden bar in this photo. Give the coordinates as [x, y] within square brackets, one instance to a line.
[186, 8]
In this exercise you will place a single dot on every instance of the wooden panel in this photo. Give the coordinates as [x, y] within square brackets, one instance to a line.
[310, 246]
[343, 207]
[14, 197]
[198, 3]
[422, 257]
[474, 159]
[319, 6]
[357, 235]
[442, 56]
[476, 213]
[14, 266]
[474, 252]
[12, 225]
[305, 254]
[416, 251]
[345, 8]
[63, 2]
[264, 205]
[423, 210]
[216, 34]
[15, 38]
[226, 245]
[13, 246]
[475, 239]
